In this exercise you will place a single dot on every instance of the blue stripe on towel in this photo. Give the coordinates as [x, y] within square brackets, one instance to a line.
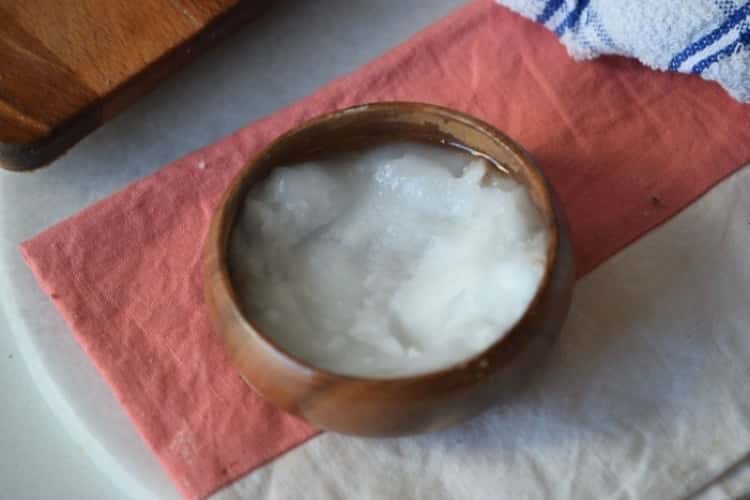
[549, 10]
[737, 17]
[572, 18]
[727, 51]
[726, 6]
[596, 23]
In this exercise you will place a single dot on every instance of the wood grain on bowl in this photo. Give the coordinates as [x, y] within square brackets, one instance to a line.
[68, 67]
[394, 406]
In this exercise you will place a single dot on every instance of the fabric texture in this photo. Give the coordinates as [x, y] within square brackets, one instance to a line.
[625, 148]
[710, 38]
[645, 396]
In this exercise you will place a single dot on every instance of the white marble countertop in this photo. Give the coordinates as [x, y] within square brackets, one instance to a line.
[48, 445]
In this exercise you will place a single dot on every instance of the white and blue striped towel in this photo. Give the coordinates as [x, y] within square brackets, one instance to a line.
[710, 38]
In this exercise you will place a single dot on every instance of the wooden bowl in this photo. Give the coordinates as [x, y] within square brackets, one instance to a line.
[410, 404]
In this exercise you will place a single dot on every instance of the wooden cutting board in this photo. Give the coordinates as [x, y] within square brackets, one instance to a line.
[66, 67]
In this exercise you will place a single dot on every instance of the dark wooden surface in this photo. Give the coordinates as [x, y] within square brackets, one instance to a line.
[66, 67]
[376, 407]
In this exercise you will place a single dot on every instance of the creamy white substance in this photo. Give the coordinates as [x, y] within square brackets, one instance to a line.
[398, 260]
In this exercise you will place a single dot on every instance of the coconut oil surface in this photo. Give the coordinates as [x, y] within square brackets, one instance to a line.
[396, 260]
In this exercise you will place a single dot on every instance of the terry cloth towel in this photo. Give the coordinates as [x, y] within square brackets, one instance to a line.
[624, 147]
[710, 38]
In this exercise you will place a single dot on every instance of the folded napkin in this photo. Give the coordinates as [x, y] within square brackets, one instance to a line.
[624, 147]
[710, 38]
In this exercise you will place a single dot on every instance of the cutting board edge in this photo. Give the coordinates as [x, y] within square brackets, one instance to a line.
[19, 157]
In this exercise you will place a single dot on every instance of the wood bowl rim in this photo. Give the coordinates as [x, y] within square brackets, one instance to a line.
[222, 291]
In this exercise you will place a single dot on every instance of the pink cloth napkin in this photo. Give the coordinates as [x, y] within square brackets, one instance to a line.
[624, 147]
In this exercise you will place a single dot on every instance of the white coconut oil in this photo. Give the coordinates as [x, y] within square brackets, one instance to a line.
[397, 260]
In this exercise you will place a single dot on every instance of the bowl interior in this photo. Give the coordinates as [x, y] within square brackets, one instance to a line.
[368, 125]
